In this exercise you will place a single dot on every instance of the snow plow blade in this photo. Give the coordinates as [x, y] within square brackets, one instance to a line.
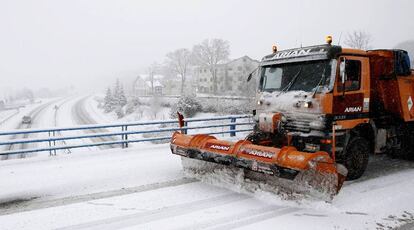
[316, 171]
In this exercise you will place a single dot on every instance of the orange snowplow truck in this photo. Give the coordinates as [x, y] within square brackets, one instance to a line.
[321, 109]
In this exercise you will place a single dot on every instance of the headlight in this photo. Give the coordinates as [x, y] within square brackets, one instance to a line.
[312, 147]
[316, 124]
[307, 104]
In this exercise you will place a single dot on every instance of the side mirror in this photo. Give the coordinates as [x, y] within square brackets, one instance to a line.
[251, 74]
[249, 77]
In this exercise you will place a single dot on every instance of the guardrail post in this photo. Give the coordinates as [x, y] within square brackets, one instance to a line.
[185, 129]
[126, 136]
[233, 127]
[122, 137]
[50, 145]
[54, 144]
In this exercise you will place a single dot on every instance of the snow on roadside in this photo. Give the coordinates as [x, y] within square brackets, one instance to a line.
[49, 117]
[365, 204]
[91, 106]
[6, 114]
[163, 113]
[15, 121]
[66, 117]
[95, 171]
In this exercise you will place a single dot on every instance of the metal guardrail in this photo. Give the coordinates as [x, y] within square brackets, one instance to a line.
[201, 97]
[52, 139]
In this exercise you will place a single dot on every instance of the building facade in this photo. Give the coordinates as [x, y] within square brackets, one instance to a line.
[231, 78]
[142, 87]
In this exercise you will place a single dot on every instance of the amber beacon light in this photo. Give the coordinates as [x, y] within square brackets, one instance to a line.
[328, 39]
[274, 48]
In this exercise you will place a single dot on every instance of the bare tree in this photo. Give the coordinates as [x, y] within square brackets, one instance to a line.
[178, 61]
[152, 70]
[358, 39]
[209, 54]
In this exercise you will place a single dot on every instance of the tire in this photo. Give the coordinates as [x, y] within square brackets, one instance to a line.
[406, 145]
[356, 157]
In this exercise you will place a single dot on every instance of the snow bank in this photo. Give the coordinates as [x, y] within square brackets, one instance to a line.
[375, 201]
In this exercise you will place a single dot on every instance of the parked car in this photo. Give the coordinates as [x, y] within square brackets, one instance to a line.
[26, 120]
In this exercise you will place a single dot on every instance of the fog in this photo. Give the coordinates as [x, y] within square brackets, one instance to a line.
[86, 44]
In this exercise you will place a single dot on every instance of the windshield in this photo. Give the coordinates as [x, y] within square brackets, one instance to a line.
[304, 76]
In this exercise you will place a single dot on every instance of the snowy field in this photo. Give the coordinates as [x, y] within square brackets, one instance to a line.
[144, 187]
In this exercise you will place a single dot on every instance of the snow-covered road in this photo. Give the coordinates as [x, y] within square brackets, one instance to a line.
[83, 117]
[144, 188]
[40, 113]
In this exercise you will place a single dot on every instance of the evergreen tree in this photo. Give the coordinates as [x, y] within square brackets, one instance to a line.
[115, 91]
[119, 112]
[119, 95]
[108, 101]
[122, 97]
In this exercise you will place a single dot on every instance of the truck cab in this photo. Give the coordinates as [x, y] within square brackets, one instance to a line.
[327, 98]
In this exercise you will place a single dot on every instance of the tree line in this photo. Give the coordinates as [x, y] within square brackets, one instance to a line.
[207, 54]
[210, 53]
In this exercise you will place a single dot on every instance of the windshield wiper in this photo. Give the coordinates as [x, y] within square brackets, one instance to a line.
[291, 82]
[320, 82]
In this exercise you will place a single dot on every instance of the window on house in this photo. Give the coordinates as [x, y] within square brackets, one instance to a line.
[158, 90]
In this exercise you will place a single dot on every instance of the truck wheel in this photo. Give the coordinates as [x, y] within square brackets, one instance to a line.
[406, 145]
[356, 157]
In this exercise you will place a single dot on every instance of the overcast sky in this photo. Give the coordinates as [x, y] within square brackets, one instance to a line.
[87, 42]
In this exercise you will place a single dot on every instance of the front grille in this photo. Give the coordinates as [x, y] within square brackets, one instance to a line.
[297, 122]
[294, 125]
